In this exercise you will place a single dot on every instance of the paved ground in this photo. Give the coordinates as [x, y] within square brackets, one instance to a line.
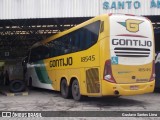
[44, 100]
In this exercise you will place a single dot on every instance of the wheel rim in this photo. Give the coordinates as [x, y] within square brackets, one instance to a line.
[64, 89]
[75, 90]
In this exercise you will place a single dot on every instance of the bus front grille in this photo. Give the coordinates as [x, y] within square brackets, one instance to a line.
[92, 80]
[132, 52]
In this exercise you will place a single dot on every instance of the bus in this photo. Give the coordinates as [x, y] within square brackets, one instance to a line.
[108, 55]
[157, 70]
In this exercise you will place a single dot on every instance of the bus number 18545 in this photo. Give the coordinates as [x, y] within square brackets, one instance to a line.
[88, 58]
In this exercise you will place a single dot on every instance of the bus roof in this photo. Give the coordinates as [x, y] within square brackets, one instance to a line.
[76, 27]
[68, 31]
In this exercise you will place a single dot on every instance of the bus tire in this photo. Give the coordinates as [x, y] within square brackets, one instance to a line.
[76, 91]
[17, 85]
[64, 88]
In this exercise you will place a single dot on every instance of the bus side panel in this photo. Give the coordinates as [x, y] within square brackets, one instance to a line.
[52, 77]
[61, 73]
[92, 81]
[75, 74]
[90, 72]
[77, 67]
[68, 74]
[104, 49]
[36, 72]
[104, 55]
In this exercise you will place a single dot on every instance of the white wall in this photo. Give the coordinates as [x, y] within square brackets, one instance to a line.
[21, 9]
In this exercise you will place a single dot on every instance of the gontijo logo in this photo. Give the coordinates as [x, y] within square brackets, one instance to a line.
[131, 25]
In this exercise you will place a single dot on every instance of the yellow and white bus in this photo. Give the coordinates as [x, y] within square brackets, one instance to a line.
[109, 55]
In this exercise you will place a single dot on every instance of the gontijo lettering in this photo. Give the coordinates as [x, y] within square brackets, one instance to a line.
[61, 62]
[130, 42]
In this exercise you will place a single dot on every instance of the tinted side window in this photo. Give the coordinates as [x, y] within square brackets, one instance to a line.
[85, 37]
[78, 40]
[32, 56]
[91, 34]
[39, 53]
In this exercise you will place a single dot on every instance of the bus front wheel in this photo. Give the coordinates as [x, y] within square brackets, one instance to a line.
[76, 91]
[64, 89]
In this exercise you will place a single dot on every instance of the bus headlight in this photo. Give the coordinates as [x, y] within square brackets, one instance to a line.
[107, 77]
[154, 75]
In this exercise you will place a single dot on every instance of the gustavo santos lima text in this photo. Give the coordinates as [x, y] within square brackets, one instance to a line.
[139, 115]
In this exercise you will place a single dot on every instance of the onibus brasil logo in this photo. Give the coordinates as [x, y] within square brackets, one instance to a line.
[131, 25]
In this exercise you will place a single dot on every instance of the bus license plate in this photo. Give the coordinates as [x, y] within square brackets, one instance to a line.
[135, 87]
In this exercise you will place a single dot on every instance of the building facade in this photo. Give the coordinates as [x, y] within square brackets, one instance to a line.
[28, 9]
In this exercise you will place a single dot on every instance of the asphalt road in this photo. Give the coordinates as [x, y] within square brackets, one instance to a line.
[44, 100]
